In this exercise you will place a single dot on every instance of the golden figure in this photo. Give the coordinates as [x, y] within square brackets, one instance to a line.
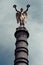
[21, 15]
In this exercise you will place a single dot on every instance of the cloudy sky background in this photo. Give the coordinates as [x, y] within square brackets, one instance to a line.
[8, 27]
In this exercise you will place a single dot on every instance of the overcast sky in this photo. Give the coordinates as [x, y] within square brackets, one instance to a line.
[8, 27]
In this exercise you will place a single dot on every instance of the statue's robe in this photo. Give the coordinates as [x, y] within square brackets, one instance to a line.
[23, 17]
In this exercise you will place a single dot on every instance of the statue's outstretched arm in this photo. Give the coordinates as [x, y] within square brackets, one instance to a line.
[27, 8]
[14, 6]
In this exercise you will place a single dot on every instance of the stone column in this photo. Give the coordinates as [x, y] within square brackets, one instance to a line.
[21, 51]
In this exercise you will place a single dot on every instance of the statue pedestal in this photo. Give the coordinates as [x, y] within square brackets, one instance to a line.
[21, 51]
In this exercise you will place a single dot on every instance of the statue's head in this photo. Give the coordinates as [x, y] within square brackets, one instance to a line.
[21, 9]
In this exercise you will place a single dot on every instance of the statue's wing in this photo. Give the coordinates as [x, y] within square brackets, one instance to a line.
[17, 17]
[25, 13]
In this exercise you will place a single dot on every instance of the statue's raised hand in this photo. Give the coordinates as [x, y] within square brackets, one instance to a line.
[28, 6]
[14, 6]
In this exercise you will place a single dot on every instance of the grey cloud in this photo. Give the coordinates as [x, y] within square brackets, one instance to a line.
[8, 25]
[36, 44]
[36, 10]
